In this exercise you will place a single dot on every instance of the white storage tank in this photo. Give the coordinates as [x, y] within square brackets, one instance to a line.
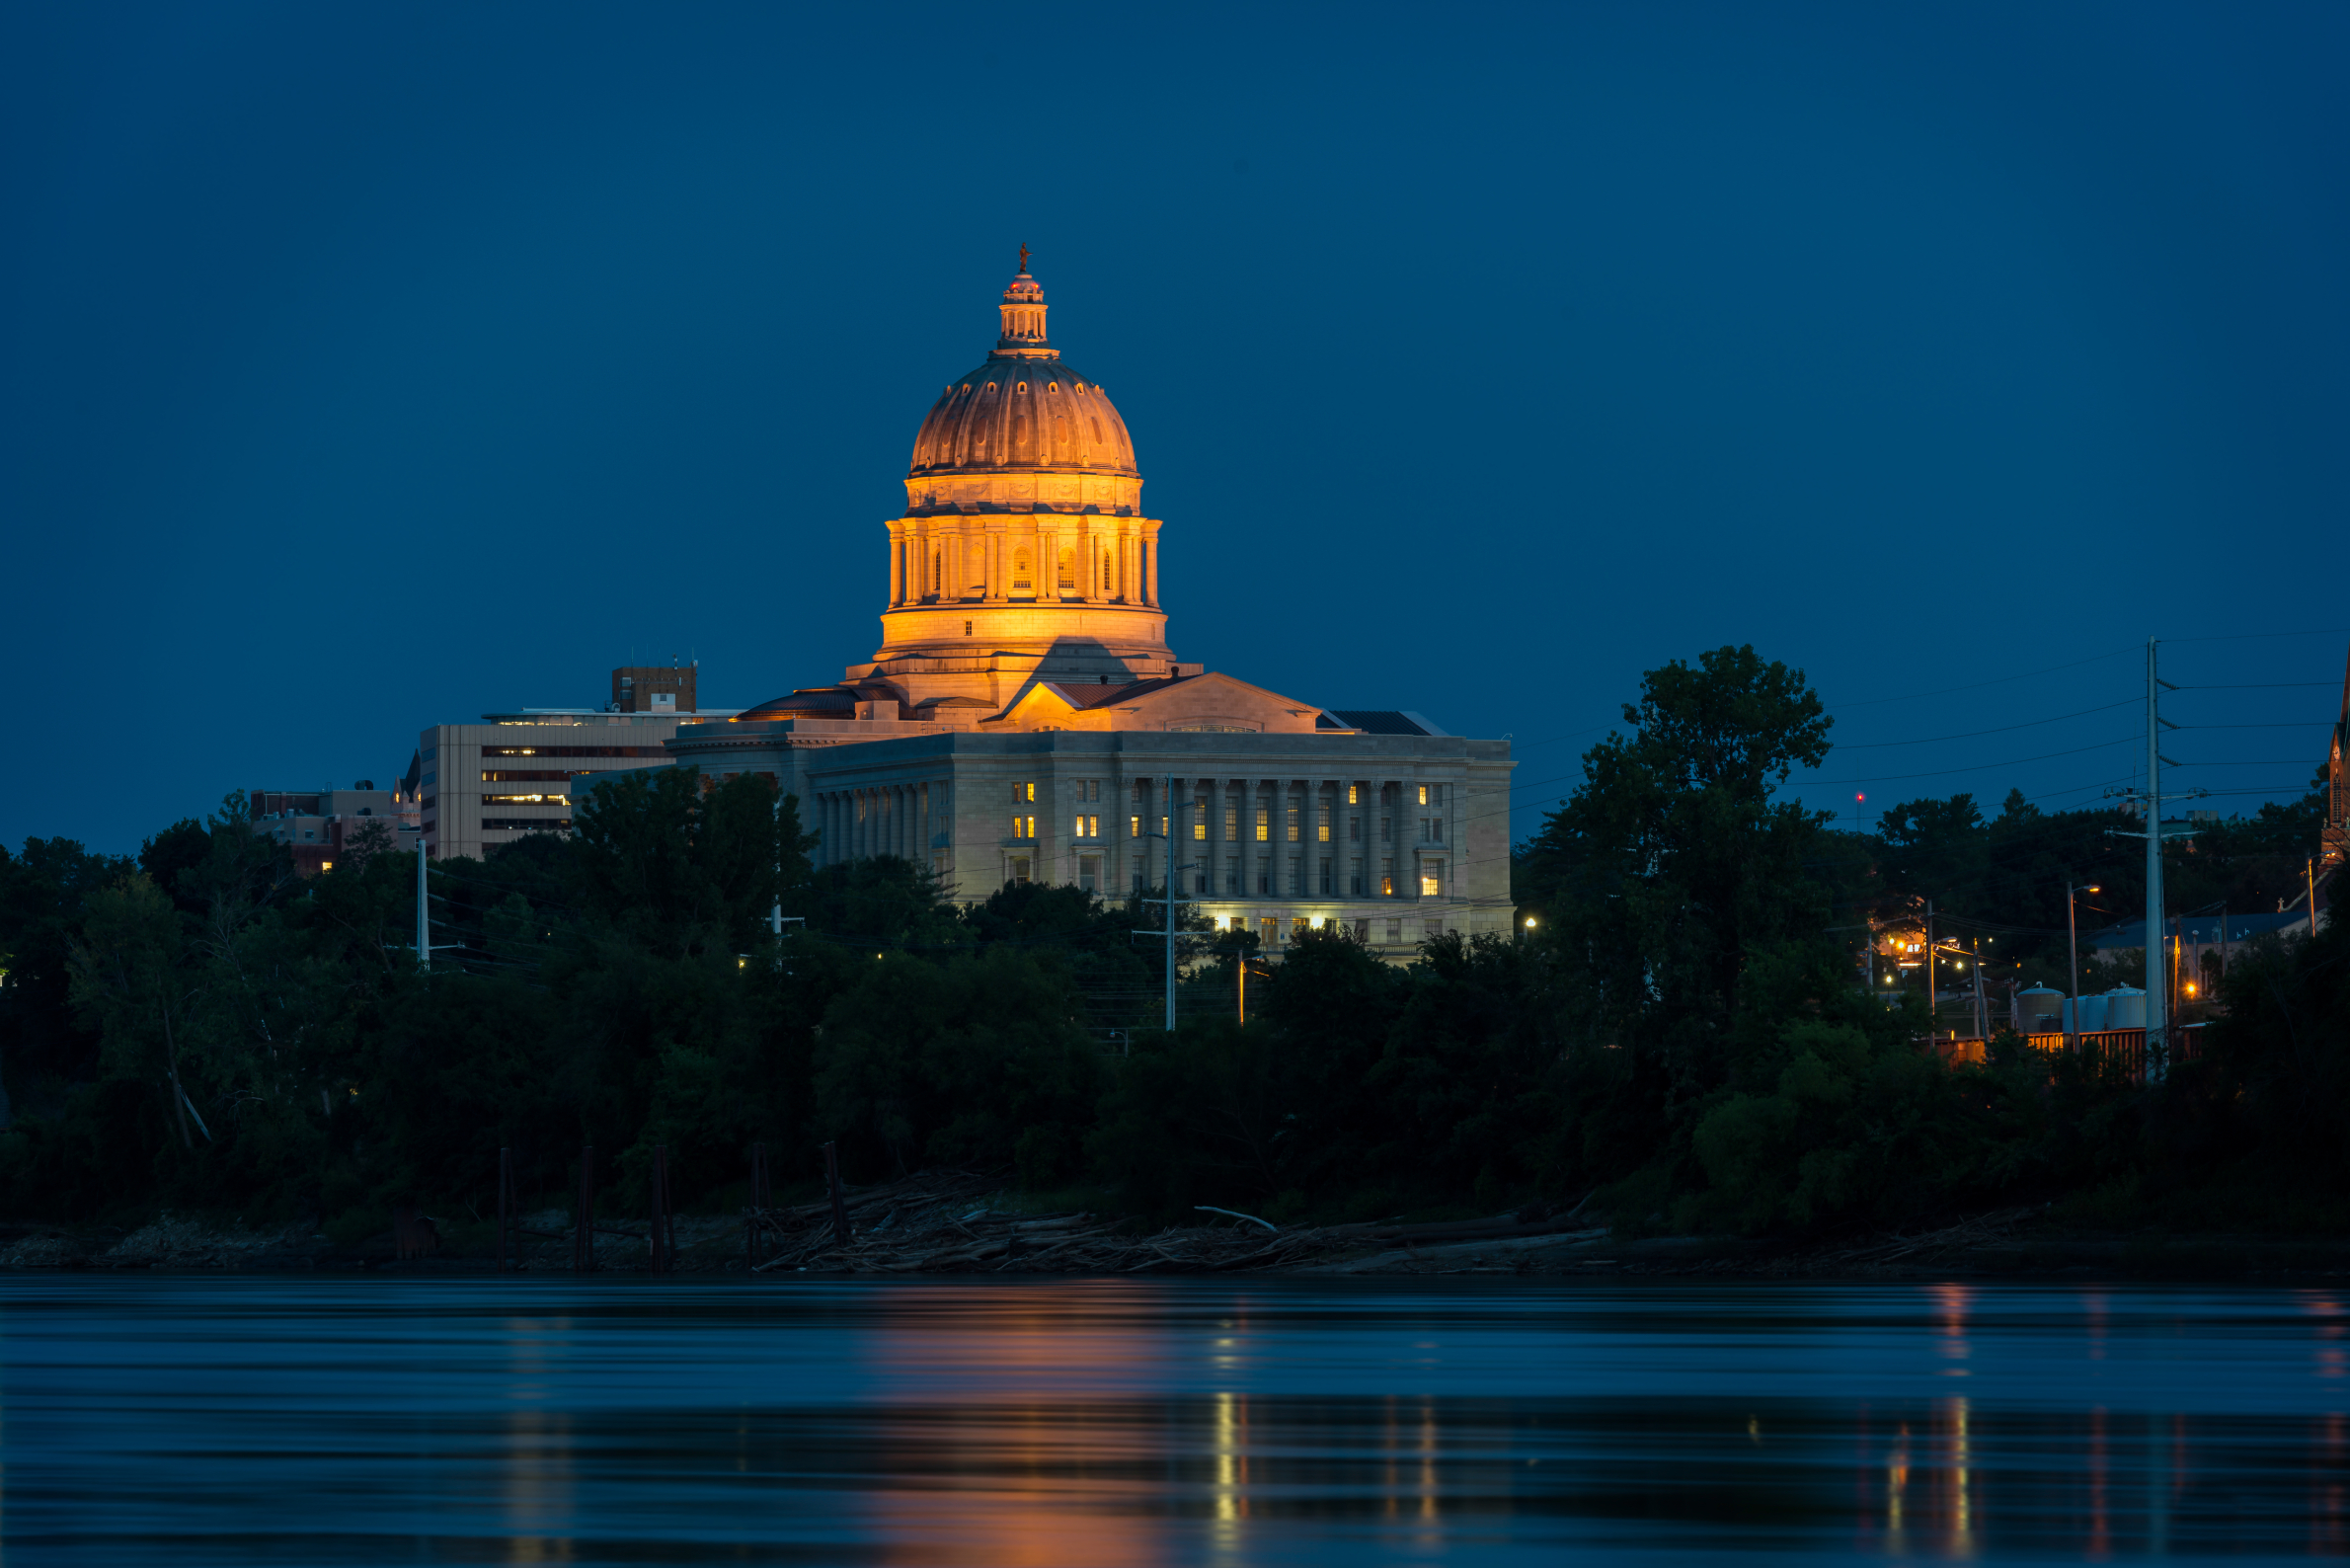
[2093, 1015]
[2124, 1008]
[2039, 1010]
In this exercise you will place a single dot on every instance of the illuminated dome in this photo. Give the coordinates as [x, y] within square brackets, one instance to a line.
[1023, 553]
[1024, 412]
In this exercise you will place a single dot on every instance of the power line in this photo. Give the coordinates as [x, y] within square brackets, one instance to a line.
[1871, 745]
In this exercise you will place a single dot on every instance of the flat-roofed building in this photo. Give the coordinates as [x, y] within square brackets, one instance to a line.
[481, 786]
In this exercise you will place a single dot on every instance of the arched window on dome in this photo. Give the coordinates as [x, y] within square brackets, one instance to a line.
[1068, 569]
[1097, 430]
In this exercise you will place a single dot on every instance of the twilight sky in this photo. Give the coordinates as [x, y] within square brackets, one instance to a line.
[366, 368]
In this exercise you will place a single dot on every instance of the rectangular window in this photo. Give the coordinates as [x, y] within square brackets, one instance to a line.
[1269, 930]
[1199, 883]
[1298, 926]
[1133, 827]
[1019, 868]
[1199, 827]
[1387, 830]
[432, 777]
[1089, 873]
[1423, 829]
[1422, 794]
[1232, 824]
[1023, 792]
[1024, 827]
[1353, 794]
[1394, 930]
[1321, 829]
[1093, 789]
[1386, 878]
[1233, 880]
[1432, 879]
[1296, 876]
[1354, 877]
[1325, 884]
[1440, 796]
[1263, 825]
[1354, 829]
[1162, 827]
[1265, 878]
[570, 750]
[1436, 829]
[1291, 823]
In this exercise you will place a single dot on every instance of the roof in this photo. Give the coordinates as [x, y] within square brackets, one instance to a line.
[1386, 721]
[2204, 928]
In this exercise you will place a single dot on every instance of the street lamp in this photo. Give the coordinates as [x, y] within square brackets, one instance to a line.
[2072, 939]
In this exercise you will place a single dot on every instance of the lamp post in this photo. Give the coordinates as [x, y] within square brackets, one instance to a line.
[2073, 940]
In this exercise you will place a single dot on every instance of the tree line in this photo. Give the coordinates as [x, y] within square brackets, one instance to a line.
[1680, 1040]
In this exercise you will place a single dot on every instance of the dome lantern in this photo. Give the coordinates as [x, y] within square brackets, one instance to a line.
[1024, 319]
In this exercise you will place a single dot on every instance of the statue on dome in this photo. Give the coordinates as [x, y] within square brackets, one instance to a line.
[1023, 260]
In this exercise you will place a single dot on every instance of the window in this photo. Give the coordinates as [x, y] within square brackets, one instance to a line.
[1291, 823]
[1386, 878]
[1298, 926]
[1436, 829]
[967, 628]
[1019, 868]
[1089, 873]
[1387, 830]
[1232, 824]
[1089, 789]
[1354, 877]
[1440, 796]
[326, 865]
[1088, 826]
[570, 750]
[1024, 827]
[1269, 930]
[1265, 878]
[1023, 792]
[1432, 879]
[1435, 928]
[1263, 825]
[1199, 827]
[1199, 883]
[1296, 876]
[1067, 576]
[1354, 829]
[1394, 930]
[528, 775]
[1233, 879]
[1022, 580]
[1353, 794]
[1326, 883]
[1322, 827]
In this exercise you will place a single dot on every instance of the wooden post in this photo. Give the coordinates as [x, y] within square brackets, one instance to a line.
[583, 1243]
[839, 1203]
[663, 1239]
[506, 1205]
[754, 1224]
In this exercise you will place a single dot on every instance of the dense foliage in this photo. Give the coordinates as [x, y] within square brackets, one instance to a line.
[1680, 1037]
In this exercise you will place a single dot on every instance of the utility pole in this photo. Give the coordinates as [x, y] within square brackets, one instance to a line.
[1933, 1016]
[1981, 1019]
[423, 918]
[2312, 875]
[1170, 902]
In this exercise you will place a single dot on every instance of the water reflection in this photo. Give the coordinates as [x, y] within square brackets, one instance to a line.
[1113, 1423]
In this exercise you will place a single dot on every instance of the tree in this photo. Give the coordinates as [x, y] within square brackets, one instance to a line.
[1671, 873]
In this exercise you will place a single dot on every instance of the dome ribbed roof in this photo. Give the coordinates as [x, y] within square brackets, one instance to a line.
[1025, 409]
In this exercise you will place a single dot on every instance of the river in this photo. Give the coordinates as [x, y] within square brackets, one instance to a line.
[250, 1418]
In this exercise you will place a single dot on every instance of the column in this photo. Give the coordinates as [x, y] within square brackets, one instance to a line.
[991, 550]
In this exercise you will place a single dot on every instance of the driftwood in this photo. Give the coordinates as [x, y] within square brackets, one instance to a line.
[926, 1224]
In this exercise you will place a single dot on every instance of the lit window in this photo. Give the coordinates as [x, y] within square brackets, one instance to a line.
[1133, 827]
[1353, 794]
[1432, 879]
[329, 865]
[1422, 794]
[1200, 827]
[1386, 878]
[1322, 829]
[1232, 824]
[1263, 825]
[1292, 825]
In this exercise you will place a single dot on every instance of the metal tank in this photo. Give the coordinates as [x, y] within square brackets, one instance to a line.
[2124, 1008]
[2038, 1010]
[2093, 1015]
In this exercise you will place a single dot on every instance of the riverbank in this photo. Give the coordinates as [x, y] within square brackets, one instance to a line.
[2010, 1244]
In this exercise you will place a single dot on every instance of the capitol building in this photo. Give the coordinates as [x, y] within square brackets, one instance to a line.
[1025, 718]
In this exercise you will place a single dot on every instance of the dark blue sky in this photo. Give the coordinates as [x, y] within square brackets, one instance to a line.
[364, 367]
